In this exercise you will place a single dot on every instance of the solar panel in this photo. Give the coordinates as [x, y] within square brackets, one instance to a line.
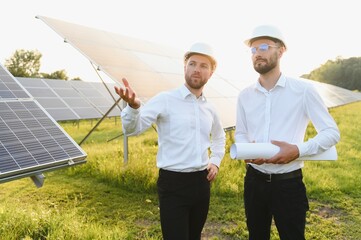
[334, 96]
[72, 100]
[48, 99]
[97, 96]
[110, 95]
[151, 68]
[31, 142]
[9, 88]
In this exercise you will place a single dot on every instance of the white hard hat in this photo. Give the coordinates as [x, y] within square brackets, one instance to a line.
[266, 31]
[203, 49]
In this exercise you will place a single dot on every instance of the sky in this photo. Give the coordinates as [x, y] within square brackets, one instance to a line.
[315, 30]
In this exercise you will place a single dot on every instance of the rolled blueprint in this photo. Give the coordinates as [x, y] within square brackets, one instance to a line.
[241, 151]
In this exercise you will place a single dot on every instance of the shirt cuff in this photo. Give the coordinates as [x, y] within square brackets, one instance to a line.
[215, 161]
[302, 149]
[129, 109]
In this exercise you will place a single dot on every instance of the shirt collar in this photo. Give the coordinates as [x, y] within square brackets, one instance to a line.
[185, 93]
[281, 83]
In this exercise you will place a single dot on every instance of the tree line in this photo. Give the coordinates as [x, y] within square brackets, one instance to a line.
[345, 73]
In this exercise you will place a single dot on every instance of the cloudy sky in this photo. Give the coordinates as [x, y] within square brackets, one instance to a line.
[315, 31]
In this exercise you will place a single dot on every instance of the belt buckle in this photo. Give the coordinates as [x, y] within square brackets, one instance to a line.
[269, 178]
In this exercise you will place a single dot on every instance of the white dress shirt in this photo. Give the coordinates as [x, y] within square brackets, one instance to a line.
[283, 114]
[187, 128]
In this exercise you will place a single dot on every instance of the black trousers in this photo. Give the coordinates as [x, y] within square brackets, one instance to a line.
[184, 203]
[283, 199]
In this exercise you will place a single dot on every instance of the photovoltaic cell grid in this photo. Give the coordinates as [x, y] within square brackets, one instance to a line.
[48, 99]
[72, 100]
[9, 88]
[31, 142]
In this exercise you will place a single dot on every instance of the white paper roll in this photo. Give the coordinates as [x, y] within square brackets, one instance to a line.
[241, 151]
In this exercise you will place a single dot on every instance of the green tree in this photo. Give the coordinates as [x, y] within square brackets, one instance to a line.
[60, 74]
[24, 63]
[345, 73]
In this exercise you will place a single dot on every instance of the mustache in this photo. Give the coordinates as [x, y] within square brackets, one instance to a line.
[260, 59]
[195, 75]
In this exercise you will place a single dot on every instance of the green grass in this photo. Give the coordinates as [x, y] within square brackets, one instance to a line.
[107, 199]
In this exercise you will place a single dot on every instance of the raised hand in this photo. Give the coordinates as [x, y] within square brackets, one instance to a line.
[128, 94]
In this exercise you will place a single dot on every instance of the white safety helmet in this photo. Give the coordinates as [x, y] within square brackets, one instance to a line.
[266, 31]
[203, 49]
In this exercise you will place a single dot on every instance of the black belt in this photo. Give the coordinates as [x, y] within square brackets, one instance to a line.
[273, 177]
[169, 173]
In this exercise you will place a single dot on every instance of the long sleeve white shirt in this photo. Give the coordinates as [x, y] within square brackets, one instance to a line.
[283, 114]
[188, 127]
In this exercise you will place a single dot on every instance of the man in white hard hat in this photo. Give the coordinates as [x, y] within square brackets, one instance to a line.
[277, 109]
[188, 126]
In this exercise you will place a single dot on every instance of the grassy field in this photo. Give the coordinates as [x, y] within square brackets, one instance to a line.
[106, 199]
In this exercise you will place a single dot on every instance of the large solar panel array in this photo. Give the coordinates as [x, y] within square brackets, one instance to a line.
[72, 100]
[31, 141]
[151, 68]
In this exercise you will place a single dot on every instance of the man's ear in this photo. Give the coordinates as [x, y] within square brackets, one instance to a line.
[282, 50]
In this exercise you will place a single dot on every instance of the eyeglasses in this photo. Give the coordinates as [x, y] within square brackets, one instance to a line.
[262, 48]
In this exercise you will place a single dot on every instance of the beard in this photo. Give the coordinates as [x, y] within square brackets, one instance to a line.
[266, 66]
[195, 83]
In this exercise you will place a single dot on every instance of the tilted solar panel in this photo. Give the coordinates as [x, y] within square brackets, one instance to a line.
[9, 88]
[31, 141]
[48, 99]
[72, 100]
[97, 95]
[149, 67]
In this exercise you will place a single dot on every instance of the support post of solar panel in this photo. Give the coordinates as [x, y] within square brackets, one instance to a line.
[125, 142]
[38, 180]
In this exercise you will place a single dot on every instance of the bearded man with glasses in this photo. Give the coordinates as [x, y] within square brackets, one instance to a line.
[277, 109]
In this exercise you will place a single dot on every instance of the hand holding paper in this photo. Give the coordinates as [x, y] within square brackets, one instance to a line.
[242, 151]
